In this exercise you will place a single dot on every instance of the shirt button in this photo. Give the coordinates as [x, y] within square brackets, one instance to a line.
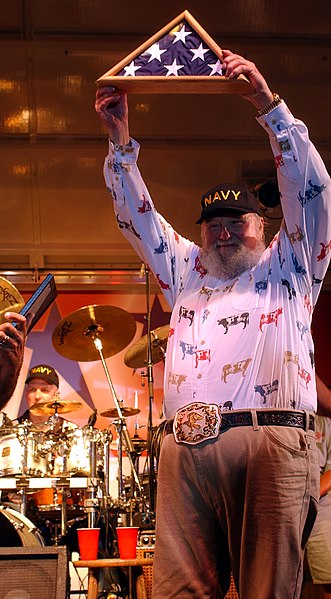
[202, 342]
[199, 376]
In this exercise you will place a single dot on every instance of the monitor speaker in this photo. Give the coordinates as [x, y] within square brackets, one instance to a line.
[33, 573]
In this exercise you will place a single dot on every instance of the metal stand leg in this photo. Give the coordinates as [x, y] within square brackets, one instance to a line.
[92, 501]
[63, 512]
[24, 502]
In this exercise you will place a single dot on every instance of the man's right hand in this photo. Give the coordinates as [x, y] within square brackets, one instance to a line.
[111, 104]
[12, 343]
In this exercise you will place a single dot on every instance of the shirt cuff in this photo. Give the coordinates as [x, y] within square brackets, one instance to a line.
[124, 154]
[277, 120]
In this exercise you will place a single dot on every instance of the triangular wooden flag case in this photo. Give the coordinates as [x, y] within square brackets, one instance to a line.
[180, 58]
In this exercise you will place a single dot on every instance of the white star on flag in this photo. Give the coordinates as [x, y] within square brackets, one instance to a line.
[181, 35]
[216, 68]
[155, 52]
[173, 68]
[131, 69]
[198, 52]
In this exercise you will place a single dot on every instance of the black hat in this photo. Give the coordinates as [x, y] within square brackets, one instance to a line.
[44, 372]
[228, 196]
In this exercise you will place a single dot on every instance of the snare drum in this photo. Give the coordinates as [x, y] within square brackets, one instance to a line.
[47, 499]
[50, 499]
[17, 531]
[21, 452]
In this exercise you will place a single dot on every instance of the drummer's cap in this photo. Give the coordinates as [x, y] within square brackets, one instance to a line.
[44, 372]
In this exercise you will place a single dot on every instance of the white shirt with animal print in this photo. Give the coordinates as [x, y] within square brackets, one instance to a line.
[242, 343]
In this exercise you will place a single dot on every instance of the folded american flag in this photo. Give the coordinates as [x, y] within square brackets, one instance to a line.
[180, 52]
[180, 58]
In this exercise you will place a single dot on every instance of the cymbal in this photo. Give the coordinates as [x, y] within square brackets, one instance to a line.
[74, 336]
[11, 299]
[126, 411]
[136, 355]
[50, 407]
[138, 443]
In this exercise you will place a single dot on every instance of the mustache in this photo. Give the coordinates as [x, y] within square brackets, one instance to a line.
[220, 244]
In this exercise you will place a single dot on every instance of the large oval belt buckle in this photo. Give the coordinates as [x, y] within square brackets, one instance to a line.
[197, 422]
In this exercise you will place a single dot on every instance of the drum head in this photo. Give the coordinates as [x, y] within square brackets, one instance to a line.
[17, 531]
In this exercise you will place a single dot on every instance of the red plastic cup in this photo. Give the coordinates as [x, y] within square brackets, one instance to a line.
[127, 537]
[88, 541]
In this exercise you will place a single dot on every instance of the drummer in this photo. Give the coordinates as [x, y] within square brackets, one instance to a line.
[41, 387]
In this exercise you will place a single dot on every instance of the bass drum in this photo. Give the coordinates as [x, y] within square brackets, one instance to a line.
[17, 531]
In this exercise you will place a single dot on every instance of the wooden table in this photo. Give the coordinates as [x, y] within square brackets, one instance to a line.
[94, 570]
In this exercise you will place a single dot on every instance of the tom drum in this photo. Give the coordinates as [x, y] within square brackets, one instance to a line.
[22, 452]
[78, 455]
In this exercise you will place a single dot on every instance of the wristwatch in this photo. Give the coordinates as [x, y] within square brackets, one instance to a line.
[276, 100]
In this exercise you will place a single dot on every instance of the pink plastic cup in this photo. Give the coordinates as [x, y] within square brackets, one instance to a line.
[88, 541]
[127, 537]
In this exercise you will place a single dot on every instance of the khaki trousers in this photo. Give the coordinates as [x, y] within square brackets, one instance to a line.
[246, 503]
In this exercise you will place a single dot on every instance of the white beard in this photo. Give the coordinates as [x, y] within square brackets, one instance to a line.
[228, 267]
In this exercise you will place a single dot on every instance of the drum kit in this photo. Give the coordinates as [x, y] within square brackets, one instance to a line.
[62, 473]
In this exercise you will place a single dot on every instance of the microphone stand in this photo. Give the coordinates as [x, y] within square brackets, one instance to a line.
[150, 380]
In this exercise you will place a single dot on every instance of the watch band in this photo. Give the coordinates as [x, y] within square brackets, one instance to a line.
[276, 100]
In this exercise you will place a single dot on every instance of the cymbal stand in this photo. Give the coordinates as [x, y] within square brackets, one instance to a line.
[137, 456]
[121, 490]
[124, 431]
[91, 501]
[23, 502]
[25, 470]
[106, 461]
[63, 512]
[54, 421]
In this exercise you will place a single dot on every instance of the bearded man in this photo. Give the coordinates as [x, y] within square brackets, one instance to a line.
[238, 479]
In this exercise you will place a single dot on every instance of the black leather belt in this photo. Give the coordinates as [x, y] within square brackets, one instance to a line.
[264, 418]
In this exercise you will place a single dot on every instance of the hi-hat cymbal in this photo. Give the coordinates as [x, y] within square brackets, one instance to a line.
[136, 355]
[10, 299]
[74, 336]
[138, 443]
[51, 407]
[112, 412]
